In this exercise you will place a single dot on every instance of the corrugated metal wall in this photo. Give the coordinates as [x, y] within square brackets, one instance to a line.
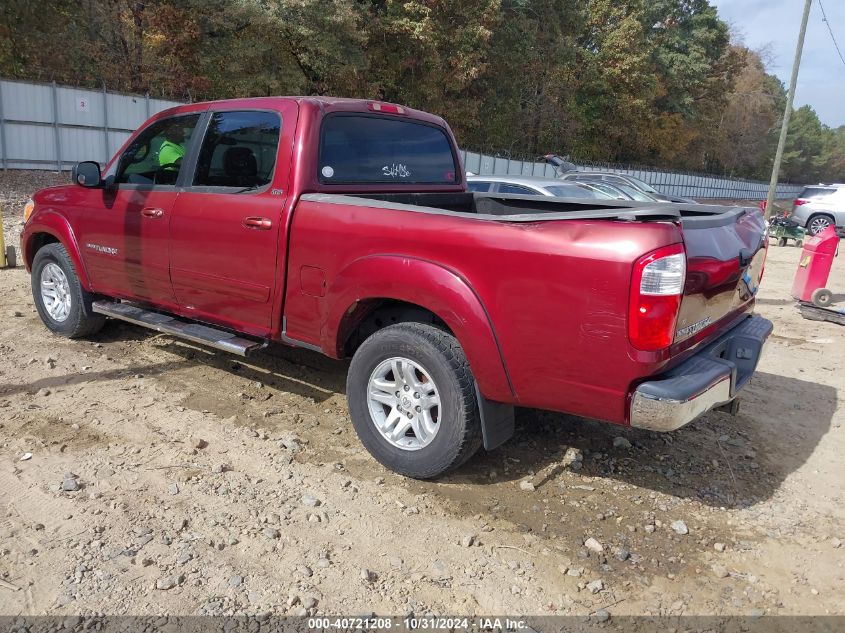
[45, 126]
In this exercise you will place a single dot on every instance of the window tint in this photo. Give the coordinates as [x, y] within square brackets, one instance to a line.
[509, 188]
[482, 187]
[641, 185]
[155, 155]
[610, 190]
[634, 193]
[239, 150]
[377, 149]
[571, 191]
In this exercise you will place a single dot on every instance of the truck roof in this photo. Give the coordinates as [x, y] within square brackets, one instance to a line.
[323, 103]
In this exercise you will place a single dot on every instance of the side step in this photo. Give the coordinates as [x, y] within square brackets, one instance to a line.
[191, 331]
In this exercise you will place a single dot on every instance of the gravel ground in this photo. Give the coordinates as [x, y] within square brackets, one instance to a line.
[142, 475]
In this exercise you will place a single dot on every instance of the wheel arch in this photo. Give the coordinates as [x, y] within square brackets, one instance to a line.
[53, 228]
[393, 288]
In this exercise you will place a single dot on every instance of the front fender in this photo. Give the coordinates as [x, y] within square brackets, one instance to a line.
[431, 286]
[57, 226]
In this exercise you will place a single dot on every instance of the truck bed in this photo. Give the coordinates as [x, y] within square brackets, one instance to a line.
[529, 208]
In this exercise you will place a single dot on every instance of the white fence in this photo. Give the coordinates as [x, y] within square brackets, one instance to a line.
[46, 126]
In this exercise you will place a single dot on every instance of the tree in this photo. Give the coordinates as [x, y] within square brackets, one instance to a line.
[527, 91]
[746, 135]
[805, 144]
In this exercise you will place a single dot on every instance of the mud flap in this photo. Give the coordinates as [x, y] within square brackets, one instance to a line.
[497, 421]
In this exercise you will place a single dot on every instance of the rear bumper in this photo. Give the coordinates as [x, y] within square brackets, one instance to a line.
[711, 378]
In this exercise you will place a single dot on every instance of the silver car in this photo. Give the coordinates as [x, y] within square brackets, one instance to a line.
[820, 206]
[534, 186]
[623, 181]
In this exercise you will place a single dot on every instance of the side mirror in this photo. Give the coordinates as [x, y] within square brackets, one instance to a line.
[86, 174]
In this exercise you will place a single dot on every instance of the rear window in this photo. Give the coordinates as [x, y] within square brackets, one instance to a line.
[376, 149]
[817, 192]
[517, 189]
[481, 187]
[570, 191]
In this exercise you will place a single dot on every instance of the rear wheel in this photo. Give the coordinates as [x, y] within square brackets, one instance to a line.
[818, 223]
[412, 400]
[62, 303]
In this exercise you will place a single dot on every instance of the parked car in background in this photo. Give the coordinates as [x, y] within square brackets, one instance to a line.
[622, 180]
[620, 192]
[820, 206]
[535, 186]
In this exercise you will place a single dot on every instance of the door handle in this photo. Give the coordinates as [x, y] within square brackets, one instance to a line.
[262, 224]
[152, 212]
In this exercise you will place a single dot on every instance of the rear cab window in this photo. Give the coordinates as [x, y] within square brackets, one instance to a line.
[376, 149]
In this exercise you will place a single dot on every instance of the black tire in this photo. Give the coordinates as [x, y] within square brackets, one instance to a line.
[81, 320]
[782, 241]
[822, 297]
[814, 223]
[459, 426]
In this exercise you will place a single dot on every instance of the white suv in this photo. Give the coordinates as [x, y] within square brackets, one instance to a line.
[820, 206]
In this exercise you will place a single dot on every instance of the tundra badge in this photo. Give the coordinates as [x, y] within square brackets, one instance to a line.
[108, 250]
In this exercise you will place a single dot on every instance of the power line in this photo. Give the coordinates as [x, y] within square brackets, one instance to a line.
[830, 30]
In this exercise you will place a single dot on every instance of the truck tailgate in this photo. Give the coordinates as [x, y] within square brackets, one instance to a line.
[725, 258]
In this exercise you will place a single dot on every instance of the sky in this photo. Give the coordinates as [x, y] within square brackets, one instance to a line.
[774, 24]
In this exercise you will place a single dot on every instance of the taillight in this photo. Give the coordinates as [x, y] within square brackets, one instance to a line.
[656, 289]
[800, 201]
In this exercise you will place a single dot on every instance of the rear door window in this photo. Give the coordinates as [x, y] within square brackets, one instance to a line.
[239, 150]
[480, 187]
[364, 149]
[517, 189]
[570, 191]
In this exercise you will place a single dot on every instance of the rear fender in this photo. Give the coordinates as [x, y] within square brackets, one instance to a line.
[57, 226]
[440, 290]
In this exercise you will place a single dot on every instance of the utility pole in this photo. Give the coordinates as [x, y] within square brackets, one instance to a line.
[787, 113]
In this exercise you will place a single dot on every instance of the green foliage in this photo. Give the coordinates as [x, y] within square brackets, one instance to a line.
[648, 81]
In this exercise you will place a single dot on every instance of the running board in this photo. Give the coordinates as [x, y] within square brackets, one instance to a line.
[188, 330]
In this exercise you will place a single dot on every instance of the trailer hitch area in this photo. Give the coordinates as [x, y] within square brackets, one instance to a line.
[731, 407]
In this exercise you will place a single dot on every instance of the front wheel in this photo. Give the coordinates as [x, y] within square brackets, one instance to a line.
[62, 303]
[412, 400]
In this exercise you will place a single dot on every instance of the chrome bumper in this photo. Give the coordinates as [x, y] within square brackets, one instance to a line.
[710, 378]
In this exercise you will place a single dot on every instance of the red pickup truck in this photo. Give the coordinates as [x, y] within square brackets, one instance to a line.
[345, 226]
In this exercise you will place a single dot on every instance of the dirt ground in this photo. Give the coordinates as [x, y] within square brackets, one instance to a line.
[212, 485]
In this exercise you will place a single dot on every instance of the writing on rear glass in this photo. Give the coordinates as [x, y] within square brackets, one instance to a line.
[396, 170]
